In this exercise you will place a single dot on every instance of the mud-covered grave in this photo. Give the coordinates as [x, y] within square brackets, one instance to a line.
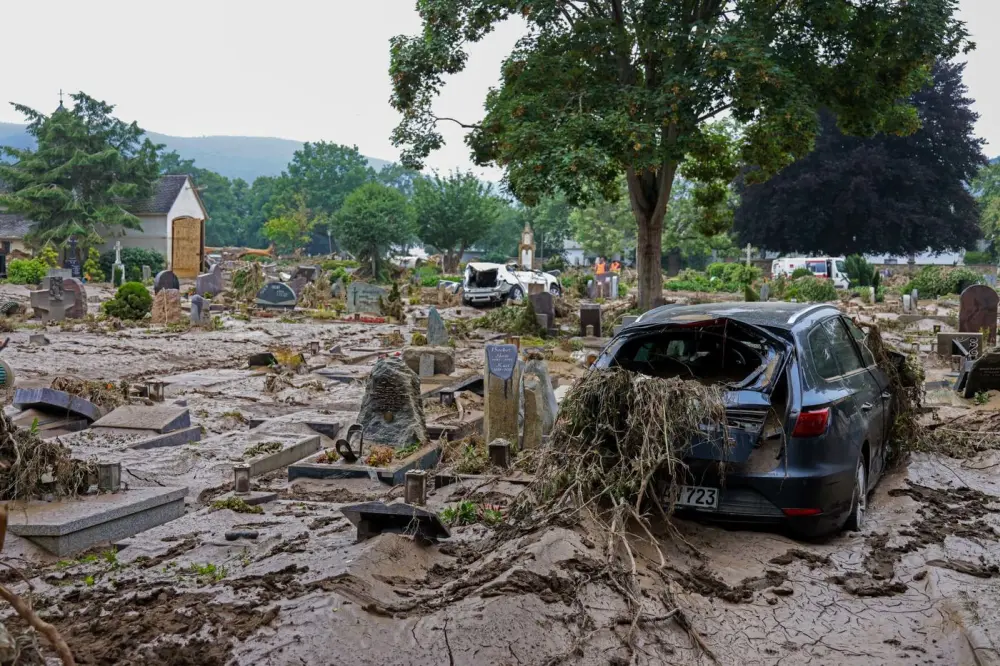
[918, 586]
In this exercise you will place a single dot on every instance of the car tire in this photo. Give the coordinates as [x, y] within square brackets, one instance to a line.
[859, 502]
[515, 295]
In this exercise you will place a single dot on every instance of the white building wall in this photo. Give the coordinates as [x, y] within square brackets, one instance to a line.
[152, 236]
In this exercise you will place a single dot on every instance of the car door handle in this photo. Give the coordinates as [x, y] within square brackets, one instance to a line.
[867, 407]
[886, 395]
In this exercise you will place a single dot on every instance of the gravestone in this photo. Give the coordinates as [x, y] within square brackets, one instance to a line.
[765, 292]
[338, 290]
[913, 298]
[437, 334]
[147, 273]
[426, 365]
[539, 370]
[310, 273]
[502, 381]
[71, 263]
[166, 307]
[971, 344]
[363, 297]
[907, 304]
[298, 284]
[52, 303]
[991, 279]
[444, 358]
[978, 311]
[591, 289]
[590, 316]
[983, 374]
[118, 268]
[276, 295]
[200, 315]
[78, 307]
[614, 287]
[545, 305]
[392, 412]
[210, 283]
[165, 280]
[532, 416]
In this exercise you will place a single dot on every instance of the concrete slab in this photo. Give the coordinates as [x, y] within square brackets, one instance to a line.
[207, 378]
[288, 455]
[175, 438]
[425, 458]
[373, 518]
[158, 418]
[252, 498]
[56, 402]
[69, 526]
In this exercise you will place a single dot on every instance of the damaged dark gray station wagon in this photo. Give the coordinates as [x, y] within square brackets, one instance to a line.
[808, 410]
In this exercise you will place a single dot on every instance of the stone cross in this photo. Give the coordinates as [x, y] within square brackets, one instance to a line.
[749, 249]
[119, 267]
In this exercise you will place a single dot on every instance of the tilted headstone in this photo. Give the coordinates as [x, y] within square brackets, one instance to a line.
[364, 297]
[165, 280]
[200, 315]
[437, 334]
[276, 295]
[52, 302]
[502, 379]
[590, 317]
[978, 311]
[983, 374]
[545, 304]
[166, 306]
[392, 412]
[765, 291]
[539, 370]
[210, 283]
[147, 273]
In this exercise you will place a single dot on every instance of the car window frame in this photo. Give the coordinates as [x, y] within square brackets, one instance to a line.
[859, 342]
[816, 327]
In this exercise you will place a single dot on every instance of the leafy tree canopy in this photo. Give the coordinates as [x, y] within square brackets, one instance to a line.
[373, 219]
[987, 188]
[551, 224]
[86, 164]
[605, 229]
[885, 194]
[290, 232]
[602, 88]
[326, 173]
[452, 213]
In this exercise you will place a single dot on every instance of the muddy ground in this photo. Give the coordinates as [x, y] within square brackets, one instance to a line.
[921, 585]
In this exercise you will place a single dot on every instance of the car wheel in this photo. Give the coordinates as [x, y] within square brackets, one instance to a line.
[859, 505]
[555, 290]
[515, 294]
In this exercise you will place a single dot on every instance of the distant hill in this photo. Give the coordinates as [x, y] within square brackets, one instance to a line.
[243, 157]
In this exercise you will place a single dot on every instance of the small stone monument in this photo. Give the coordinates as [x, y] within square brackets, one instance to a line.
[166, 307]
[147, 273]
[765, 292]
[913, 298]
[538, 369]
[426, 365]
[437, 334]
[544, 304]
[392, 413]
[200, 315]
[276, 295]
[118, 268]
[210, 283]
[983, 374]
[52, 302]
[165, 280]
[502, 379]
[907, 304]
[978, 311]
[297, 284]
[77, 307]
[526, 251]
[590, 318]
[71, 262]
[363, 297]
[532, 438]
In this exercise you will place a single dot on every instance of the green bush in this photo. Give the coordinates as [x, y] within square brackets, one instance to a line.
[429, 275]
[92, 266]
[932, 281]
[132, 302]
[729, 278]
[801, 272]
[334, 264]
[556, 263]
[860, 272]
[49, 255]
[134, 259]
[26, 271]
[977, 257]
[811, 289]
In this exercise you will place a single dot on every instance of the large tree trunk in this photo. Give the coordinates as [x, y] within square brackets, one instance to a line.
[649, 194]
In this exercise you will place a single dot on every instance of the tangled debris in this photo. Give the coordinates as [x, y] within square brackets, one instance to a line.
[906, 380]
[32, 467]
[105, 395]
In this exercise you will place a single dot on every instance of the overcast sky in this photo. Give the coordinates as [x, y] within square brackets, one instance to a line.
[296, 69]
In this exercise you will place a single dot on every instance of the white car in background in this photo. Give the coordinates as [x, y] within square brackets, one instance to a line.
[829, 268]
[491, 284]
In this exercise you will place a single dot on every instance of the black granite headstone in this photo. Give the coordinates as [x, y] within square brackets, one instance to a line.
[501, 360]
[276, 295]
[165, 280]
[983, 374]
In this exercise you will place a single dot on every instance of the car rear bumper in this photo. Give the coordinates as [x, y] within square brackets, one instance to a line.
[764, 498]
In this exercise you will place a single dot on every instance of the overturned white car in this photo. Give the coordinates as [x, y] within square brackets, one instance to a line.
[487, 284]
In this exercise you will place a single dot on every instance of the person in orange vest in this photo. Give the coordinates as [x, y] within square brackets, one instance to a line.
[615, 267]
[600, 267]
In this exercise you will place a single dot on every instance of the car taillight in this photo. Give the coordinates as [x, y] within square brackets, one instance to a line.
[812, 423]
[793, 513]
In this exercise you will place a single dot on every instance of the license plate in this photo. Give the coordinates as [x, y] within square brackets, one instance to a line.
[699, 497]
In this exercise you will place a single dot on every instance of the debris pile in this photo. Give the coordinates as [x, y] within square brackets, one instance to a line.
[31, 467]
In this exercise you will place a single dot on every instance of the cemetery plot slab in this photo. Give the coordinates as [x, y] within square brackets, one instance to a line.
[373, 518]
[285, 456]
[207, 378]
[148, 439]
[158, 418]
[69, 526]
[57, 402]
[393, 474]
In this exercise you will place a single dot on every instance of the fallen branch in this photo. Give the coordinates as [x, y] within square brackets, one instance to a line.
[41, 626]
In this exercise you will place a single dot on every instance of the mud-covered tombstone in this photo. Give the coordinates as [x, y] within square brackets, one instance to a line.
[391, 411]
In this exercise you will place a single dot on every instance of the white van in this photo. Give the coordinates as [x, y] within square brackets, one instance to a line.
[831, 268]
